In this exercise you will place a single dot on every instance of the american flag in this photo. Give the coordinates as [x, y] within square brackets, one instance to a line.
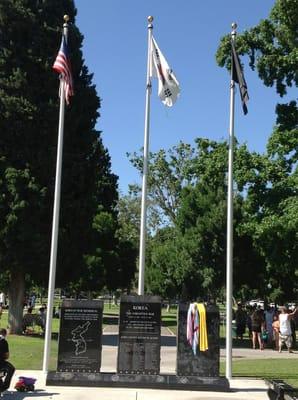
[63, 67]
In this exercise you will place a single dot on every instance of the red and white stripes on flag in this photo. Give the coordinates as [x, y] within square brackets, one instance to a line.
[168, 86]
[63, 67]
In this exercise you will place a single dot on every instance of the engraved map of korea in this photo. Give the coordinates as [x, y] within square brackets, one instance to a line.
[78, 338]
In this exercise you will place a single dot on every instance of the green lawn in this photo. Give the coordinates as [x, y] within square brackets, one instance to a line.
[169, 320]
[285, 369]
[27, 351]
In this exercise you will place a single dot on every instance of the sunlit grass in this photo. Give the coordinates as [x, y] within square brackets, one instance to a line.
[285, 369]
[26, 352]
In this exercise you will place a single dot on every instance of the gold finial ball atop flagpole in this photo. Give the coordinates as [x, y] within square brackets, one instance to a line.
[150, 19]
[234, 26]
[66, 18]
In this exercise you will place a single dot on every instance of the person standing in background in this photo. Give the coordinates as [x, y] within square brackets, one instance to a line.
[4, 364]
[2, 302]
[285, 331]
[275, 327]
[257, 326]
[269, 313]
[240, 317]
[32, 301]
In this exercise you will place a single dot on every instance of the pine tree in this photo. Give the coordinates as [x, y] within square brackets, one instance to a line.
[30, 35]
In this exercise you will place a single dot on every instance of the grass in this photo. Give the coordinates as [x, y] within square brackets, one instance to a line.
[169, 320]
[110, 308]
[284, 369]
[27, 351]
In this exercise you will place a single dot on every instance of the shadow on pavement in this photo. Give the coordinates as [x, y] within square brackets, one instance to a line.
[168, 341]
[110, 340]
[237, 343]
[25, 395]
[109, 319]
[249, 389]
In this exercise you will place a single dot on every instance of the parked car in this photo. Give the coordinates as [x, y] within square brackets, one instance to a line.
[256, 302]
[273, 305]
[291, 306]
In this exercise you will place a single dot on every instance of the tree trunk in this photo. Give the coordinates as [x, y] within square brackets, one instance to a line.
[16, 294]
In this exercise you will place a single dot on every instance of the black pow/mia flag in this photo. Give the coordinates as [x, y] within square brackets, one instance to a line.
[237, 76]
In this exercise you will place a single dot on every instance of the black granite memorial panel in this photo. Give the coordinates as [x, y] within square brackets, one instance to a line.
[139, 335]
[79, 346]
[204, 363]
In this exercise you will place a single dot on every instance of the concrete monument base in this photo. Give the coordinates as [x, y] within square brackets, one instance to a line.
[162, 381]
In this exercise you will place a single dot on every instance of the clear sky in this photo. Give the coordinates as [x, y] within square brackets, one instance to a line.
[188, 33]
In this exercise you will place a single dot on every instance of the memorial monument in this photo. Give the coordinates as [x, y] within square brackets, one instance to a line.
[203, 363]
[138, 358]
[139, 335]
[79, 346]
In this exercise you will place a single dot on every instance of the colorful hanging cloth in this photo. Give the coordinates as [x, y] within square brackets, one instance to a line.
[190, 323]
[192, 327]
[203, 337]
[196, 327]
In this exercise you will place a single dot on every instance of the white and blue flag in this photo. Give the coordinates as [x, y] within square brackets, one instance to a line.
[168, 85]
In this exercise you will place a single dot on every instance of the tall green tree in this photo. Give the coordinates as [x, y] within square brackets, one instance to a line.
[188, 258]
[272, 186]
[30, 35]
[189, 249]
[169, 172]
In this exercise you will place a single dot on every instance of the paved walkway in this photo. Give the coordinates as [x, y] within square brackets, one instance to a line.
[240, 353]
[168, 351]
[241, 389]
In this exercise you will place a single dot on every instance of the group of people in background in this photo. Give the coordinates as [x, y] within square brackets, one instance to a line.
[30, 319]
[272, 327]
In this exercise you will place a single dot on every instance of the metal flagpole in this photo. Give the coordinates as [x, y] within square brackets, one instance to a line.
[55, 226]
[145, 166]
[229, 272]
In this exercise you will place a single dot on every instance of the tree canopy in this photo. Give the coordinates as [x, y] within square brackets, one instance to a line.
[88, 248]
[188, 186]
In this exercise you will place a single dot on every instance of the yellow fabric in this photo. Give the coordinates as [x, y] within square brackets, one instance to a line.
[203, 341]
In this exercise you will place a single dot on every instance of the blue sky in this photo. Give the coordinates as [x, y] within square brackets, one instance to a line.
[188, 33]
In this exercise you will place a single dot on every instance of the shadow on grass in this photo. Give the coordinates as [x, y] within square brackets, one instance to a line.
[281, 376]
[237, 343]
[169, 323]
[54, 335]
